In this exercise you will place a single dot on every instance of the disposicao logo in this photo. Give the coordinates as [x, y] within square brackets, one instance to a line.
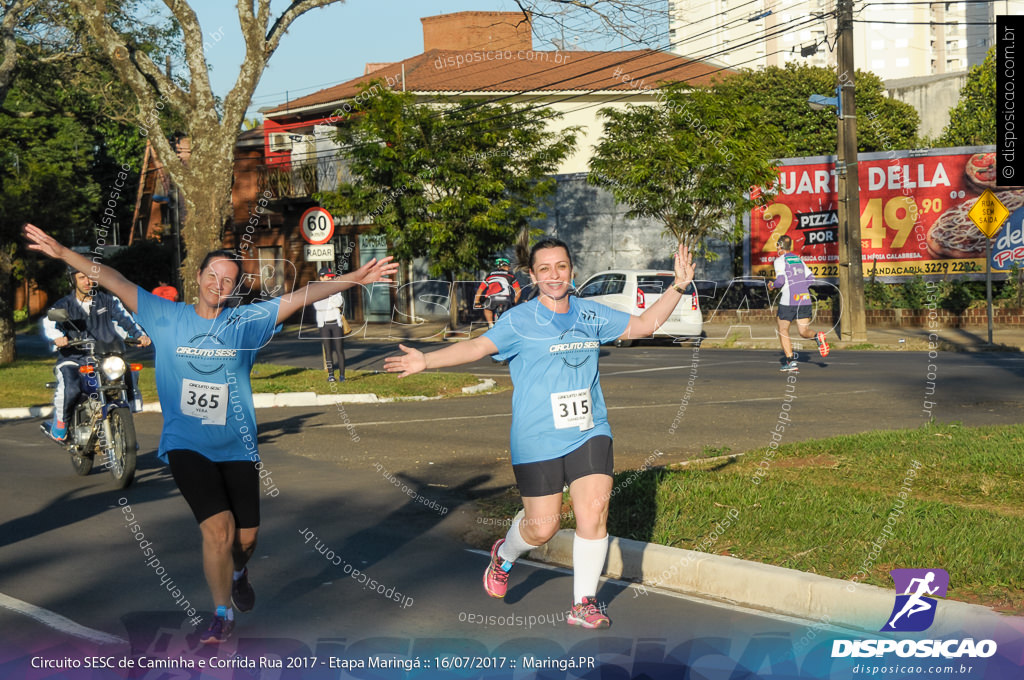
[914, 611]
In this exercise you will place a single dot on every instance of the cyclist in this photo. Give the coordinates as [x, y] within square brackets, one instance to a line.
[92, 314]
[560, 434]
[500, 288]
[205, 353]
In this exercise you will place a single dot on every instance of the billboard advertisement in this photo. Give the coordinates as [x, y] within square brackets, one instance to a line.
[913, 213]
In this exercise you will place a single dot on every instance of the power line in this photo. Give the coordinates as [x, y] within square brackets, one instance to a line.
[925, 23]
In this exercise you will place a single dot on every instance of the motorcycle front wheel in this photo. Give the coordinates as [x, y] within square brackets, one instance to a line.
[122, 446]
[82, 464]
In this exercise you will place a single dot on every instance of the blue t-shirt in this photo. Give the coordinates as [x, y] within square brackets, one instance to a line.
[557, 403]
[202, 374]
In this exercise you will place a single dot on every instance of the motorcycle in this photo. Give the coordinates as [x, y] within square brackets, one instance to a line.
[100, 420]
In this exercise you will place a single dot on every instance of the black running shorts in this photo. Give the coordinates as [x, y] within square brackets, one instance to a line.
[546, 477]
[210, 487]
[794, 312]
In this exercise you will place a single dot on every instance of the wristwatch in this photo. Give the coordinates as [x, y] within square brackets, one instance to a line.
[679, 289]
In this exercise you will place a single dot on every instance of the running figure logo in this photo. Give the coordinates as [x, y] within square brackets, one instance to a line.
[913, 611]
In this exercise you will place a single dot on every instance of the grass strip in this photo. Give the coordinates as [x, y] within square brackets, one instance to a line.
[23, 383]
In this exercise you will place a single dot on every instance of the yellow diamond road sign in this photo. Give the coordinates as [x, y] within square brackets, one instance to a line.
[988, 214]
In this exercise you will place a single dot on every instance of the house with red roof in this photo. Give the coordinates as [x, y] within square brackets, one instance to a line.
[477, 55]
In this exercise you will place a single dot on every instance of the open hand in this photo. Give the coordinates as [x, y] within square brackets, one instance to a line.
[411, 362]
[375, 270]
[683, 266]
[42, 242]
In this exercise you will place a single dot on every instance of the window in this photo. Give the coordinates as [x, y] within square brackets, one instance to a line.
[654, 284]
[271, 270]
[615, 285]
[594, 286]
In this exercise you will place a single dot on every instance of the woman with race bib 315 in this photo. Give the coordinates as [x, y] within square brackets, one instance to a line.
[560, 435]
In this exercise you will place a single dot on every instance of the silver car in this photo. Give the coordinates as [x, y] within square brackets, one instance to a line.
[634, 290]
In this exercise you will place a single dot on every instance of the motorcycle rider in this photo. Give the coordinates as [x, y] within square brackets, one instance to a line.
[105, 320]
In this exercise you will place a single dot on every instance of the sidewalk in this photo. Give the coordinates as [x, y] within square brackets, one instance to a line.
[725, 333]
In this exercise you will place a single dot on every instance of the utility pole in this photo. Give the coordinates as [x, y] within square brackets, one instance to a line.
[852, 324]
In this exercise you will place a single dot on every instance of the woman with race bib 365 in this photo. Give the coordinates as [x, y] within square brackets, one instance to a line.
[204, 356]
[560, 434]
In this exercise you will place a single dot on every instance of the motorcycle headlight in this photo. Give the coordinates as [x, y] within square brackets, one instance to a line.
[113, 367]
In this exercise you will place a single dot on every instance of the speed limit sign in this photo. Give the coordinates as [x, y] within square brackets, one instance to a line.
[317, 226]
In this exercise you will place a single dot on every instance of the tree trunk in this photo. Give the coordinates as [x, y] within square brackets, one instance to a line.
[453, 312]
[7, 349]
[206, 190]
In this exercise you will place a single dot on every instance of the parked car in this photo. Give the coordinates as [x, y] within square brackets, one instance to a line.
[634, 290]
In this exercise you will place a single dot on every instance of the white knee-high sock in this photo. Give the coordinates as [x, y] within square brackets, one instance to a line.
[588, 557]
[514, 545]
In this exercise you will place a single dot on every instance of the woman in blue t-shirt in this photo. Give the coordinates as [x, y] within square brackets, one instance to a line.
[560, 434]
[204, 356]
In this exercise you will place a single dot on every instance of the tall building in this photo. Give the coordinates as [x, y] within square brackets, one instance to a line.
[891, 39]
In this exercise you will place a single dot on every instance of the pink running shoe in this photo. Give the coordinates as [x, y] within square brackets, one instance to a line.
[496, 577]
[822, 345]
[587, 614]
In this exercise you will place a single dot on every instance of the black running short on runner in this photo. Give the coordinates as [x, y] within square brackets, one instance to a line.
[210, 487]
[546, 477]
[795, 312]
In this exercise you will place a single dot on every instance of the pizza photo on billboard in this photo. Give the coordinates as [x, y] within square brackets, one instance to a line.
[955, 236]
[980, 171]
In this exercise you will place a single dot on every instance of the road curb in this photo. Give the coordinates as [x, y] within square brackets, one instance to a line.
[769, 588]
[265, 400]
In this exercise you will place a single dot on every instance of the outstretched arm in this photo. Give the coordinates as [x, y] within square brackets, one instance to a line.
[414, 361]
[369, 273]
[644, 325]
[109, 278]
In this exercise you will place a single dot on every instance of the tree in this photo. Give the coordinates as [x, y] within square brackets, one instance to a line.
[453, 183]
[972, 121]
[15, 15]
[62, 143]
[687, 163]
[204, 179]
[46, 174]
[883, 124]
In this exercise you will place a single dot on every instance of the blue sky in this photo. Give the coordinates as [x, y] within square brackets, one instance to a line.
[324, 46]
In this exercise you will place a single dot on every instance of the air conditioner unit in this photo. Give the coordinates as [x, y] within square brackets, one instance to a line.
[280, 141]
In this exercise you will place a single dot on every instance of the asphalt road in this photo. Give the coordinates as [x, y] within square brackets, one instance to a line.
[65, 547]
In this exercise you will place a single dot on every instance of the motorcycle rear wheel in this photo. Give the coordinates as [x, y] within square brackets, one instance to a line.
[121, 454]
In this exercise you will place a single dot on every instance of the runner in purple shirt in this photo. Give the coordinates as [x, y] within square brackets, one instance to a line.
[795, 278]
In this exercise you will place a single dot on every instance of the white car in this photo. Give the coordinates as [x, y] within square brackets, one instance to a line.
[634, 290]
